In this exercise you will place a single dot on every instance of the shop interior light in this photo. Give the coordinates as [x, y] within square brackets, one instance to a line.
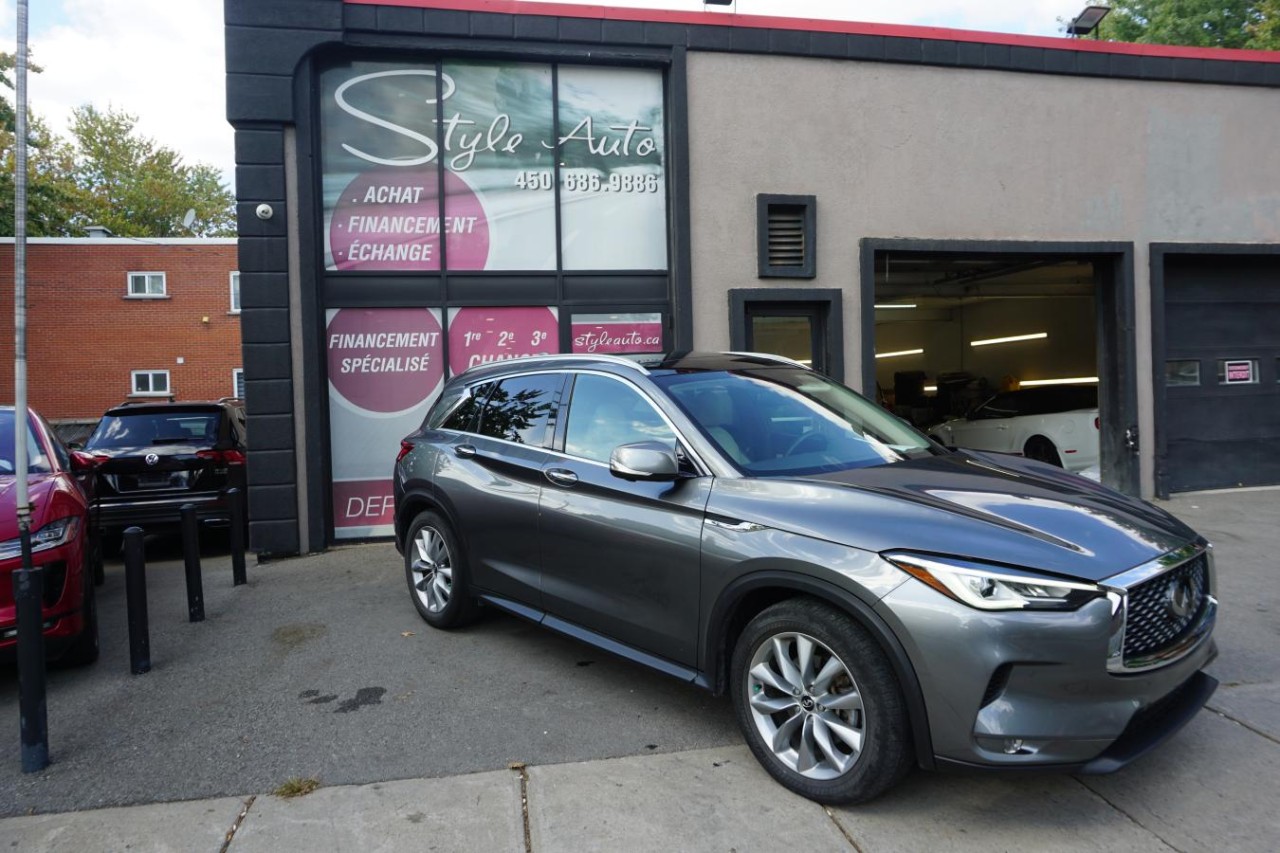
[1034, 336]
[931, 388]
[888, 305]
[1088, 20]
[1074, 380]
[900, 353]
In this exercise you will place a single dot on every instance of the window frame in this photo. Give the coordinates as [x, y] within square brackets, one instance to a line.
[233, 282]
[133, 383]
[237, 383]
[146, 276]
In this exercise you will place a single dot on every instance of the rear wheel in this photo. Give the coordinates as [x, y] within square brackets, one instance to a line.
[818, 703]
[1042, 450]
[436, 572]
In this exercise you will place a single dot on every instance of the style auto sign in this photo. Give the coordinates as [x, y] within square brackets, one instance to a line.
[387, 131]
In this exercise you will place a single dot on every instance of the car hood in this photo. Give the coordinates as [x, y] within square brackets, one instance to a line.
[980, 506]
[38, 488]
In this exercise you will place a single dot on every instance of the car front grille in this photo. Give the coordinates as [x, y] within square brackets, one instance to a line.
[1165, 610]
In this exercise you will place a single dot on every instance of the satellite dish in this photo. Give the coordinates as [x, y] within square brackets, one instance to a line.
[189, 218]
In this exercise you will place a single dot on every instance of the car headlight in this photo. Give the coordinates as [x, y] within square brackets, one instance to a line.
[994, 587]
[51, 535]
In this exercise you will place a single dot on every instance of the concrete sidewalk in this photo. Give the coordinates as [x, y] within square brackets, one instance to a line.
[1212, 788]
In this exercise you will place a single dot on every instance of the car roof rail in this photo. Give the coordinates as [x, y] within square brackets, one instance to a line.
[781, 359]
[565, 356]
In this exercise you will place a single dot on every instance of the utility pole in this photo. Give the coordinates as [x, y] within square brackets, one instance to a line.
[28, 582]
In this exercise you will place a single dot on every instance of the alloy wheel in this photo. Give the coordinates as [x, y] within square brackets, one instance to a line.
[432, 570]
[806, 705]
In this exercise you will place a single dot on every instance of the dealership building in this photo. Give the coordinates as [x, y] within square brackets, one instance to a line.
[929, 215]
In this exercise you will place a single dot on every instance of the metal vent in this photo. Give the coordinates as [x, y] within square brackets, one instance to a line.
[787, 246]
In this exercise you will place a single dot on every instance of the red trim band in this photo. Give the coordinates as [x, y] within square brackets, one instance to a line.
[721, 19]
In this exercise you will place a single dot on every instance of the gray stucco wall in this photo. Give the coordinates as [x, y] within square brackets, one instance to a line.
[933, 153]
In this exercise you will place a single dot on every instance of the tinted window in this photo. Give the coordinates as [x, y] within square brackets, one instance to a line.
[457, 408]
[519, 409]
[605, 413]
[145, 428]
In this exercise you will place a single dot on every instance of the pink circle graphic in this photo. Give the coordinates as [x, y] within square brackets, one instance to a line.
[385, 359]
[389, 219]
[482, 335]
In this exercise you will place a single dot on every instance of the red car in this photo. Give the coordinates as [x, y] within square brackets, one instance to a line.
[60, 484]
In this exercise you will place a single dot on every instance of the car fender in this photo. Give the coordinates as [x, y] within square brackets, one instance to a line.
[713, 655]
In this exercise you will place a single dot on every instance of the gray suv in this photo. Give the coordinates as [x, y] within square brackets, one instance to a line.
[869, 599]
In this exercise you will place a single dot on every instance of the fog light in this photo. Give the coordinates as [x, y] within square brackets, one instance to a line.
[1012, 745]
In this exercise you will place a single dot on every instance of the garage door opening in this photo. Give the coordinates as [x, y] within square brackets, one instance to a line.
[1015, 352]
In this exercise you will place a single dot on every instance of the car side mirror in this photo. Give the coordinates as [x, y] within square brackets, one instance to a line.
[82, 462]
[644, 460]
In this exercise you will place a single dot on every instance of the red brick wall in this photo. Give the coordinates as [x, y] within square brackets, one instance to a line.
[84, 337]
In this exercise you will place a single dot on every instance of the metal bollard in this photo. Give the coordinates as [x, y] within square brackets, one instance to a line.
[235, 502]
[191, 556]
[135, 592]
[33, 716]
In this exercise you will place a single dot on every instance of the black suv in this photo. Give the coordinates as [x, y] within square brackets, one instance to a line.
[156, 457]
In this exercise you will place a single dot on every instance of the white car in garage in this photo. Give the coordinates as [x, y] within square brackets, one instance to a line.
[1057, 424]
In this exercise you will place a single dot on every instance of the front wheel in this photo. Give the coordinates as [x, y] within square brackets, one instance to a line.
[819, 704]
[435, 571]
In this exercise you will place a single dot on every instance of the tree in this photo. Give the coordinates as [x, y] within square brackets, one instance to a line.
[1251, 24]
[137, 188]
[52, 194]
[108, 175]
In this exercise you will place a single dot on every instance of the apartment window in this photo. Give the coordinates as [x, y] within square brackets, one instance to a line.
[237, 383]
[146, 285]
[235, 294]
[786, 226]
[150, 383]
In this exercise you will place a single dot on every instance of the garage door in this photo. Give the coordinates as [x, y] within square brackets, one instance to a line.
[1221, 419]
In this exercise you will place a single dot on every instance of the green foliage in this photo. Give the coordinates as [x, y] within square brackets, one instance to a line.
[106, 174]
[137, 188]
[1253, 24]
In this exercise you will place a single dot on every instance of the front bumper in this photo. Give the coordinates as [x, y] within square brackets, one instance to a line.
[62, 611]
[1019, 689]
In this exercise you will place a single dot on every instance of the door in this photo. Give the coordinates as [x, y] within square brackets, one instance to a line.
[990, 426]
[620, 558]
[1221, 374]
[493, 476]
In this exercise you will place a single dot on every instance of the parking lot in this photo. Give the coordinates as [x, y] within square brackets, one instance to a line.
[321, 668]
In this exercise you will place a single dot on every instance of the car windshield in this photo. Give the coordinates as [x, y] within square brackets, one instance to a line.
[143, 429]
[37, 462]
[788, 421]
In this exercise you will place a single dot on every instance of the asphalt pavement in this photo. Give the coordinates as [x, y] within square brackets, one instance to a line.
[506, 737]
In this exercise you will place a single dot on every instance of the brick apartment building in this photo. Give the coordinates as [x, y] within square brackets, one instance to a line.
[114, 319]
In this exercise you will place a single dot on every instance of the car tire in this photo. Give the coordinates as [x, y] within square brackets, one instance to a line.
[1041, 449]
[96, 563]
[819, 704]
[435, 569]
[84, 648]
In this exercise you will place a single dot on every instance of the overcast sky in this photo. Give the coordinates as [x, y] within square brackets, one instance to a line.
[162, 60]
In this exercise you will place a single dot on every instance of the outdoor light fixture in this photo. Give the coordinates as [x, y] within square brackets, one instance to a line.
[899, 353]
[1075, 380]
[1088, 20]
[1034, 336]
[892, 305]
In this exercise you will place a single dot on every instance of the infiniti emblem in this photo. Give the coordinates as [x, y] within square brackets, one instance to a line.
[1178, 598]
[152, 459]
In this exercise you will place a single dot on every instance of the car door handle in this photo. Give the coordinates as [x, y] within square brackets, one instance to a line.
[735, 525]
[464, 451]
[561, 476]
[1002, 426]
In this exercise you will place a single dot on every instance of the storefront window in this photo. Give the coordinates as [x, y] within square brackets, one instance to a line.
[392, 132]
